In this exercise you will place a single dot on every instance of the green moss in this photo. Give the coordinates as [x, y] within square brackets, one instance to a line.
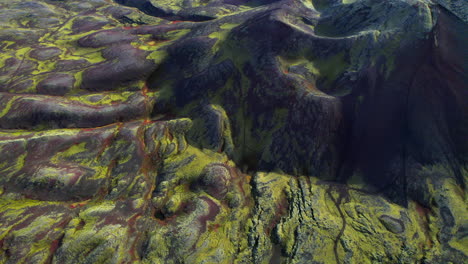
[389, 51]
[44, 66]
[6, 109]
[104, 98]
[171, 4]
[357, 181]
[14, 165]
[158, 53]
[36, 249]
[97, 209]
[157, 56]
[299, 214]
[75, 149]
[227, 133]
[235, 50]
[78, 79]
[460, 244]
[176, 34]
[90, 54]
[329, 68]
[17, 207]
[3, 59]
[7, 44]
[221, 35]
[22, 53]
[201, 158]
[97, 246]
[64, 38]
[278, 183]
[287, 62]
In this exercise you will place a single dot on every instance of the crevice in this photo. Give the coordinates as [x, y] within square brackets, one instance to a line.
[15, 73]
[342, 193]
[56, 244]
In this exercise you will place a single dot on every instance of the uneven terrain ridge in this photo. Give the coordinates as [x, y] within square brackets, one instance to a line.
[233, 131]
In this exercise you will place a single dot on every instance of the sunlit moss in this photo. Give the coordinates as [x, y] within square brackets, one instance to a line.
[104, 98]
[221, 35]
[201, 158]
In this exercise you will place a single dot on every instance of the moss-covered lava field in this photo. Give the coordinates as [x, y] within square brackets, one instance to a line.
[233, 131]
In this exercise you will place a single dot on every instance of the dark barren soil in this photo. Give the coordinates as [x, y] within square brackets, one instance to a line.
[233, 131]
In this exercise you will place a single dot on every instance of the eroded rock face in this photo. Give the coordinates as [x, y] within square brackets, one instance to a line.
[292, 131]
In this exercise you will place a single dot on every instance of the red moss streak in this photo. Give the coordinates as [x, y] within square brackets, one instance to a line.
[77, 205]
[147, 164]
[423, 220]
[168, 134]
[422, 211]
[108, 141]
[144, 92]
[53, 247]
[283, 208]
[213, 211]
[238, 177]
[167, 220]
[95, 128]
[56, 242]
[107, 187]
[221, 147]
[22, 221]
[25, 222]
[215, 227]
[132, 230]
[131, 27]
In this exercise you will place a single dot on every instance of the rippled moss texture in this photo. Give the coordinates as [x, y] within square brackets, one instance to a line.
[233, 131]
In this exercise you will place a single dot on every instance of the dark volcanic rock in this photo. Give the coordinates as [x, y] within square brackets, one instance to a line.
[125, 64]
[86, 24]
[106, 38]
[56, 84]
[215, 179]
[392, 224]
[71, 65]
[45, 53]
